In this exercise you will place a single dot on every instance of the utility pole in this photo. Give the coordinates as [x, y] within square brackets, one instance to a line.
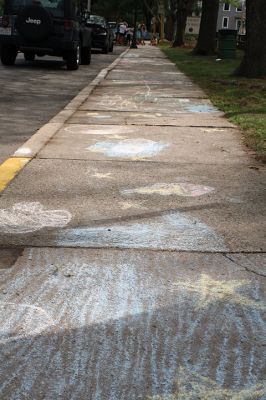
[89, 5]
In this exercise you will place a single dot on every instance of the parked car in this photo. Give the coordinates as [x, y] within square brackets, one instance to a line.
[40, 27]
[113, 26]
[102, 33]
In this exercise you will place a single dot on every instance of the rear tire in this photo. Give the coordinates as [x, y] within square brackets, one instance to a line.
[85, 56]
[105, 49]
[8, 55]
[72, 59]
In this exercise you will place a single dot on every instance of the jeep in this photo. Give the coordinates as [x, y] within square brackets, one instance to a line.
[45, 27]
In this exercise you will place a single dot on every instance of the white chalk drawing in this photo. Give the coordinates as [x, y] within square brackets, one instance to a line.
[183, 189]
[98, 116]
[117, 101]
[211, 130]
[19, 321]
[129, 148]
[193, 386]
[113, 132]
[176, 231]
[211, 290]
[184, 100]
[29, 217]
[23, 151]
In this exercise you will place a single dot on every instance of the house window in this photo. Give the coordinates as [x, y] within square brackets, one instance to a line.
[238, 9]
[225, 22]
[226, 7]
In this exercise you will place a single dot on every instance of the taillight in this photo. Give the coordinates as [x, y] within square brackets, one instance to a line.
[5, 21]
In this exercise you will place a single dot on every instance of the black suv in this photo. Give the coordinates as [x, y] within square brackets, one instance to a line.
[40, 27]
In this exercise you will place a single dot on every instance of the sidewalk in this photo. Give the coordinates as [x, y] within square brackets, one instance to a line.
[134, 247]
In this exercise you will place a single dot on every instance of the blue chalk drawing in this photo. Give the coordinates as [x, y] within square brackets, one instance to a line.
[200, 108]
[176, 231]
[137, 148]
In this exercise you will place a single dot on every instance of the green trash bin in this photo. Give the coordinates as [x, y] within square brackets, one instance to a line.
[227, 43]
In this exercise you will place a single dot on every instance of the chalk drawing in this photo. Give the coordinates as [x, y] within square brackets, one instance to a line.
[176, 231]
[105, 130]
[120, 102]
[201, 108]
[130, 148]
[127, 205]
[22, 320]
[98, 116]
[211, 130]
[23, 151]
[29, 217]
[211, 290]
[167, 189]
[193, 386]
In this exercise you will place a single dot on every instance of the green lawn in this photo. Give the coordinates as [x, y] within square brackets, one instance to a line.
[242, 100]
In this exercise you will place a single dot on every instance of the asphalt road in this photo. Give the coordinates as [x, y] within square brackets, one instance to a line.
[33, 92]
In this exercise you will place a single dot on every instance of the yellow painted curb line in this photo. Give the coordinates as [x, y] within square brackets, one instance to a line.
[9, 169]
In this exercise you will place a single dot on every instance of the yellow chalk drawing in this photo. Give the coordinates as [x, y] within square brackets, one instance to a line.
[118, 137]
[192, 386]
[127, 205]
[211, 290]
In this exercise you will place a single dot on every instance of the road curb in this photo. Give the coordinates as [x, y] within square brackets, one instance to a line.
[37, 141]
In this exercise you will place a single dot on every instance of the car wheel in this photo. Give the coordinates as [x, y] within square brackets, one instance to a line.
[85, 56]
[105, 49]
[28, 56]
[111, 49]
[8, 55]
[72, 59]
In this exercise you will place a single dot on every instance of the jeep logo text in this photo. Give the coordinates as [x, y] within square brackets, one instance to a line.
[33, 21]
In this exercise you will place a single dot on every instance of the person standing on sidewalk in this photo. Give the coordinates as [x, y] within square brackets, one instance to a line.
[143, 31]
[121, 33]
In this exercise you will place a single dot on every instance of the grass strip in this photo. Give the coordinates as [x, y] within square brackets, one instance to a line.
[242, 100]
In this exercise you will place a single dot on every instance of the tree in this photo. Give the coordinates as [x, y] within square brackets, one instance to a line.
[1, 7]
[206, 44]
[183, 8]
[254, 61]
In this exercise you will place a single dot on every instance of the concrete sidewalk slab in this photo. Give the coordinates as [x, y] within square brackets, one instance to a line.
[138, 270]
[162, 144]
[189, 207]
[140, 103]
[208, 120]
[153, 91]
[108, 324]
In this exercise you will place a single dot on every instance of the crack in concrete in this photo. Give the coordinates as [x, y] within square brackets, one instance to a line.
[226, 255]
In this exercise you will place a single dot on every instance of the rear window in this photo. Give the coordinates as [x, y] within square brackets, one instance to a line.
[55, 7]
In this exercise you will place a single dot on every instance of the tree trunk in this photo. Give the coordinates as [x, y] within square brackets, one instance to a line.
[254, 61]
[206, 44]
[181, 20]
